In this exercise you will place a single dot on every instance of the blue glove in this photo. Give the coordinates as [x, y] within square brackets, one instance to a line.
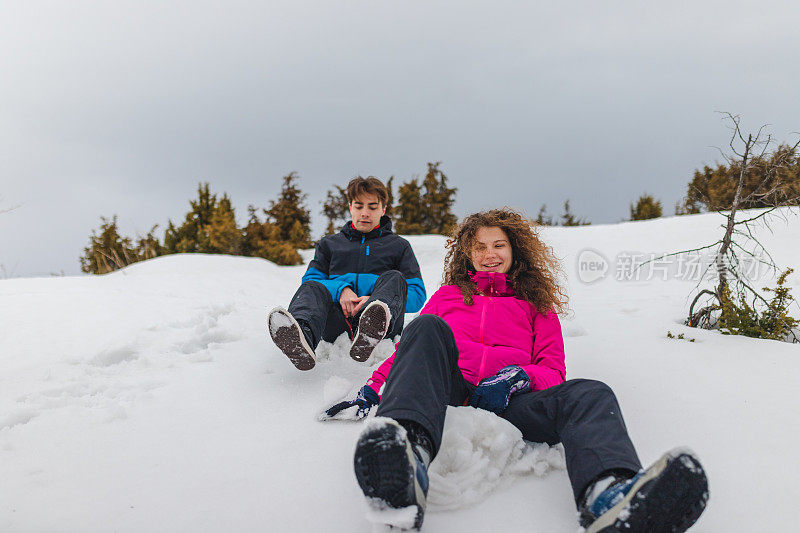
[494, 392]
[367, 399]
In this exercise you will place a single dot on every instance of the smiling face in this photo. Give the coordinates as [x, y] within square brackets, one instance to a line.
[491, 250]
[366, 210]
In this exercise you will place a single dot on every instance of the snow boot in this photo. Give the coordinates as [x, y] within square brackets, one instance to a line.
[372, 328]
[668, 497]
[290, 337]
[391, 474]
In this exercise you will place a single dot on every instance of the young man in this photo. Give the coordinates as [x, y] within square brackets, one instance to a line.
[362, 280]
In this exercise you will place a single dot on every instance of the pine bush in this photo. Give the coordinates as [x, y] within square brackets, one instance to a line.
[109, 251]
[767, 321]
[646, 208]
[289, 210]
[426, 208]
[569, 219]
[262, 239]
[774, 176]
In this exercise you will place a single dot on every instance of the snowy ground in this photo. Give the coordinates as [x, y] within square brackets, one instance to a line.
[150, 399]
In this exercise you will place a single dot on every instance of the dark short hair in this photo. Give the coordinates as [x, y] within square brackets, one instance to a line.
[370, 185]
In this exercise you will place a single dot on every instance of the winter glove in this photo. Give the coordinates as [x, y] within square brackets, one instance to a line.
[366, 399]
[494, 392]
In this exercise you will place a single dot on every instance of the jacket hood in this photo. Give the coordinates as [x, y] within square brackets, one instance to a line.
[384, 228]
[493, 283]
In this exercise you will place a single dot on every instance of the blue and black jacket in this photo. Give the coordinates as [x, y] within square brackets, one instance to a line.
[354, 259]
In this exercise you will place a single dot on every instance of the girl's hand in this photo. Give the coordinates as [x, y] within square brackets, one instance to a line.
[366, 399]
[493, 393]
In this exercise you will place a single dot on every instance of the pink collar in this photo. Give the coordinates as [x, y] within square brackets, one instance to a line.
[492, 283]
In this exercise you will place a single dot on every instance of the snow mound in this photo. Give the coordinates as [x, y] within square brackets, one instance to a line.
[153, 399]
[479, 452]
[197, 264]
[340, 350]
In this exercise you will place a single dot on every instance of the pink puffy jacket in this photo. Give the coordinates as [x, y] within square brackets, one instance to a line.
[497, 331]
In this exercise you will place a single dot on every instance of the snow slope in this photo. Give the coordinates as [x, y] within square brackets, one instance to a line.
[150, 399]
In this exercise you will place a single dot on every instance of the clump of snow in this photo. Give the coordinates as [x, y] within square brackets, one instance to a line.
[479, 452]
[278, 318]
[691, 465]
[384, 518]
[377, 423]
[114, 356]
[625, 513]
[599, 486]
[340, 350]
[382, 351]
[682, 450]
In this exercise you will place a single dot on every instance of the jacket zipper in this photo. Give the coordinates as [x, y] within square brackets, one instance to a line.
[358, 263]
[480, 337]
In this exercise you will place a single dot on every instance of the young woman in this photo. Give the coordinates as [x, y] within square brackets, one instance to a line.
[490, 338]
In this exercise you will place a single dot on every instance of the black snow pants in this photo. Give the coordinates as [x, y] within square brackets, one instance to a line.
[582, 414]
[313, 304]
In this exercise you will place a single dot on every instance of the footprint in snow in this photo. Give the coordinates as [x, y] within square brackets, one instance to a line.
[18, 418]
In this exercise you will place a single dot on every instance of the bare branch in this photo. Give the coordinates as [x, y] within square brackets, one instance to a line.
[702, 276]
[770, 210]
[674, 253]
[771, 263]
[8, 209]
[758, 242]
[7, 274]
[694, 318]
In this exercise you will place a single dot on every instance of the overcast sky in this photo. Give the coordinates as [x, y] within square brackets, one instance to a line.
[123, 107]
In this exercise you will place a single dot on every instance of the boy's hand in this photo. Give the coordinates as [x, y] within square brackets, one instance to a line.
[361, 301]
[351, 304]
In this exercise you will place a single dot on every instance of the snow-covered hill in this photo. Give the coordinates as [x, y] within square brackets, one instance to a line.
[151, 399]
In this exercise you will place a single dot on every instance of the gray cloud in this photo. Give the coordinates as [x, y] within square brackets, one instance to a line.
[122, 107]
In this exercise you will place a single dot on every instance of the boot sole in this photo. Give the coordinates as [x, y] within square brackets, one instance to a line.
[372, 328]
[385, 469]
[669, 498]
[289, 338]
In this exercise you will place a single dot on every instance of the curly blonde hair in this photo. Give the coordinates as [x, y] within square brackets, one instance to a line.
[534, 272]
